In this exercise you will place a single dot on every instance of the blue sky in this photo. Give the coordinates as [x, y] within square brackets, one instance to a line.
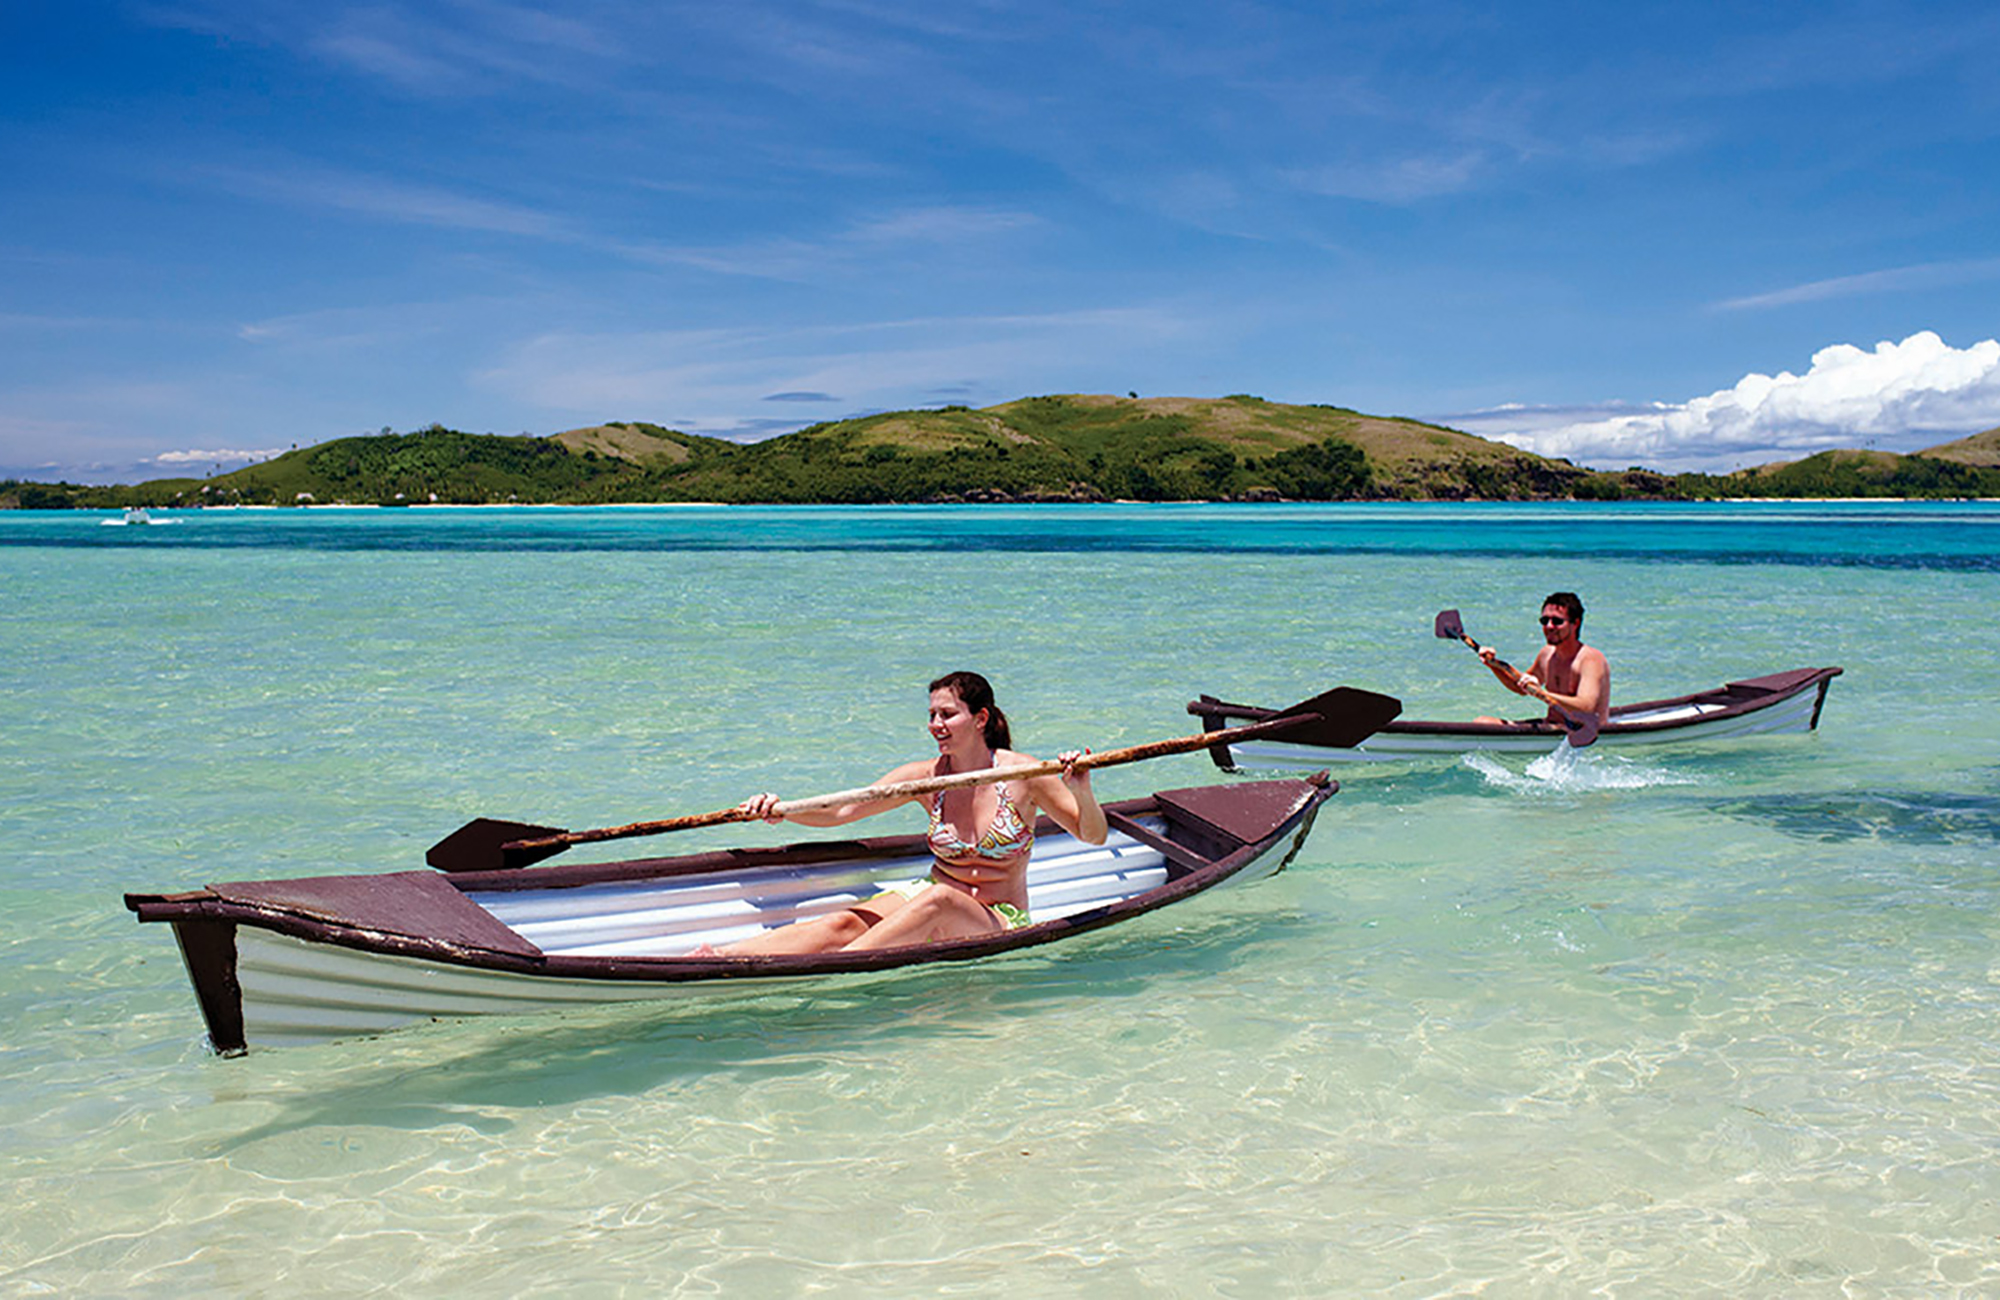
[1685, 236]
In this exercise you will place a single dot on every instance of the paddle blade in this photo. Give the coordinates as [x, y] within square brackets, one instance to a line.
[1447, 627]
[476, 846]
[1582, 728]
[1346, 717]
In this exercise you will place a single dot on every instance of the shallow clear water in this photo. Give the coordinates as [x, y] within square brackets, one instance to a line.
[1708, 1019]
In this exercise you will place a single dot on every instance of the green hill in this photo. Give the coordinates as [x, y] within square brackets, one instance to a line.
[1058, 448]
[1079, 448]
[1980, 449]
[1951, 470]
[641, 444]
[1040, 448]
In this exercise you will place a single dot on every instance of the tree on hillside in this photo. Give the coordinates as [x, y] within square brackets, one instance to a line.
[1332, 469]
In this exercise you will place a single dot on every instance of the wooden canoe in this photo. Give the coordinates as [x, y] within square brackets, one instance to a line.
[316, 958]
[1781, 702]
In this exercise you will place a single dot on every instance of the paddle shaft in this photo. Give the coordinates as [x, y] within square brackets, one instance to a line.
[1502, 664]
[926, 785]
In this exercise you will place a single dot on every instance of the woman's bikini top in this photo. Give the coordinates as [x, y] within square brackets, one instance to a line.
[1008, 837]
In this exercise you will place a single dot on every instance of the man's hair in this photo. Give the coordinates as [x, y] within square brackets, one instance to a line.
[1570, 606]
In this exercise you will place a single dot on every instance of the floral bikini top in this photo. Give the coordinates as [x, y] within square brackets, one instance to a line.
[1008, 837]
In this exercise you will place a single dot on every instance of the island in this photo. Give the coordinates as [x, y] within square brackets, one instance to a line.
[1074, 447]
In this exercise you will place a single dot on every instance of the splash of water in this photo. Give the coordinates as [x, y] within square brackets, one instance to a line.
[1569, 770]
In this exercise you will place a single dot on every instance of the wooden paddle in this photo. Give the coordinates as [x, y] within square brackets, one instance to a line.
[1339, 718]
[1581, 727]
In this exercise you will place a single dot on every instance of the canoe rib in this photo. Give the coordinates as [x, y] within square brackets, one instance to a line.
[324, 957]
[1789, 701]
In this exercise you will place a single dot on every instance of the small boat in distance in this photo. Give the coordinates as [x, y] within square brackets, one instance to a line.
[1781, 702]
[294, 961]
[135, 515]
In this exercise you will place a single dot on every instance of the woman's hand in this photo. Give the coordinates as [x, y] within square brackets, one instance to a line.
[1083, 818]
[762, 806]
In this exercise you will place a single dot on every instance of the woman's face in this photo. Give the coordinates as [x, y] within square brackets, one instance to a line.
[953, 725]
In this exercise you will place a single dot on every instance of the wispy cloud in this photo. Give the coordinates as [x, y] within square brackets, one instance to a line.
[457, 47]
[702, 380]
[974, 20]
[1902, 279]
[386, 199]
[1901, 396]
[1406, 180]
[938, 224]
[841, 251]
[837, 249]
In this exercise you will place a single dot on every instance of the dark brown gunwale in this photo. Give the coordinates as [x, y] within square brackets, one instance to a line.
[1750, 695]
[216, 988]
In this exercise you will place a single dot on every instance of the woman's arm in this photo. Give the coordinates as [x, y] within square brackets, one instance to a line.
[1067, 797]
[763, 805]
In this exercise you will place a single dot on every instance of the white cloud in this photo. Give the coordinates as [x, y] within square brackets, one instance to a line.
[217, 457]
[1901, 396]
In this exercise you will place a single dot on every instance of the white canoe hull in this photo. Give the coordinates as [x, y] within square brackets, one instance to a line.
[297, 992]
[1729, 713]
[597, 943]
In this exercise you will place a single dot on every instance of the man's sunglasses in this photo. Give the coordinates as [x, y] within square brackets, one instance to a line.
[1552, 622]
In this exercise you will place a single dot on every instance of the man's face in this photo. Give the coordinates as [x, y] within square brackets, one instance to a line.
[1556, 626]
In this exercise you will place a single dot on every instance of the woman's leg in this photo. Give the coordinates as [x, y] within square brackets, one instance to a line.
[821, 934]
[940, 912]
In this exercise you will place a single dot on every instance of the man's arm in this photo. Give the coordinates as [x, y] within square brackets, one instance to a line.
[1593, 685]
[1510, 676]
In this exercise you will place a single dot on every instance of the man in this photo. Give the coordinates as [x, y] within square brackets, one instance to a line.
[1573, 674]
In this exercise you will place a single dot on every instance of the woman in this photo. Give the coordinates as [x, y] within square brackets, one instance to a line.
[980, 836]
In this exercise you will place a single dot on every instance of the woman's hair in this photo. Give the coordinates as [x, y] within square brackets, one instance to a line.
[977, 693]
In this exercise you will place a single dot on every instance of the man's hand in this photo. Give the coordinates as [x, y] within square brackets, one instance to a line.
[1509, 676]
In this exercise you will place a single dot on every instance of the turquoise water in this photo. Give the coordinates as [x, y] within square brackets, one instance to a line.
[1716, 1019]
